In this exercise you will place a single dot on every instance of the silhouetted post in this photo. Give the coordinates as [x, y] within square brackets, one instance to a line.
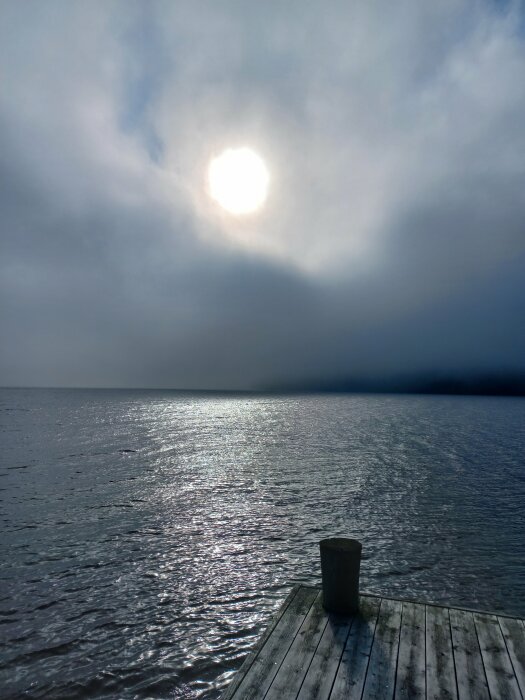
[340, 562]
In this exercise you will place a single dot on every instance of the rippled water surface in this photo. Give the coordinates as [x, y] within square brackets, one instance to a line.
[147, 537]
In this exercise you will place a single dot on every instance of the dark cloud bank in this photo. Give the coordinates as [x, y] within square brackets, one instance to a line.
[391, 254]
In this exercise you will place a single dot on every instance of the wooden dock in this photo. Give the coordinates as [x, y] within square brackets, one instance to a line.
[390, 649]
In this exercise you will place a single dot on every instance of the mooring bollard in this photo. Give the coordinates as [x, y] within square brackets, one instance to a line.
[340, 562]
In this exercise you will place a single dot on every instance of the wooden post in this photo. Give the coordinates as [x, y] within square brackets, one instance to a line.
[340, 563]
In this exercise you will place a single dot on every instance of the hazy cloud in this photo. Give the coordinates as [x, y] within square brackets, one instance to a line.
[393, 239]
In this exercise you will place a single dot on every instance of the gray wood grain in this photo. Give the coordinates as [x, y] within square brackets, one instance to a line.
[470, 674]
[441, 675]
[351, 674]
[293, 669]
[498, 667]
[319, 679]
[410, 679]
[266, 663]
[391, 648]
[381, 674]
[514, 635]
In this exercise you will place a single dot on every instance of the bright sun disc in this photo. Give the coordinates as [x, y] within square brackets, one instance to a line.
[238, 180]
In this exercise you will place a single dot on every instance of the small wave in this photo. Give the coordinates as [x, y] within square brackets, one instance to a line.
[45, 606]
[111, 505]
[26, 527]
[98, 565]
[85, 613]
[42, 654]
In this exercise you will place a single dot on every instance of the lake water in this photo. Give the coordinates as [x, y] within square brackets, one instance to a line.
[148, 536]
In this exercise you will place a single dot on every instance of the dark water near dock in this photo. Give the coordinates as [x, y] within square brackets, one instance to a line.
[148, 536]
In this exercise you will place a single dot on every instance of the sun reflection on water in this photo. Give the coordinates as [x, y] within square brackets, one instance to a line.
[178, 522]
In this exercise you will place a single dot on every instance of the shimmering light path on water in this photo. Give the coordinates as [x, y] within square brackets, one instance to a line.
[148, 536]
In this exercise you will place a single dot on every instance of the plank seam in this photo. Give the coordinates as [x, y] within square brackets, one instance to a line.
[398, 646]
[510, 657]
[452, 650]
[482, 659]
[522, 622]
[370, 652]
[293, 640]
[425, 639]
[343, 647]
[426, 659]
[312, 658]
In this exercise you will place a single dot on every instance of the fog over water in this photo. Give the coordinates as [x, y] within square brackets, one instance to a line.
[148, 536]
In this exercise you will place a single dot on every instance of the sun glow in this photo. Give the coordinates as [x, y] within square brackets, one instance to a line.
[238, 180]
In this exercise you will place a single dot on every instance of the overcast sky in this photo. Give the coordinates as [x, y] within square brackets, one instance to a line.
[393, 237]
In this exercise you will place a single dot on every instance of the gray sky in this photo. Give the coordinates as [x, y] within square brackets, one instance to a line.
[393, 237]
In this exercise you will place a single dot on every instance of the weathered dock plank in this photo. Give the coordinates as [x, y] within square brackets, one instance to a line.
[351, 674]
[390, 649]
[381, 675]
[498, 666]
[514, 636]
[441, 674]
[470, 674]
[319, 679]
[291, 674]
[410, 679]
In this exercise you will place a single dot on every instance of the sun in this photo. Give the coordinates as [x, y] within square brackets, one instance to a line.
[238, 180]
